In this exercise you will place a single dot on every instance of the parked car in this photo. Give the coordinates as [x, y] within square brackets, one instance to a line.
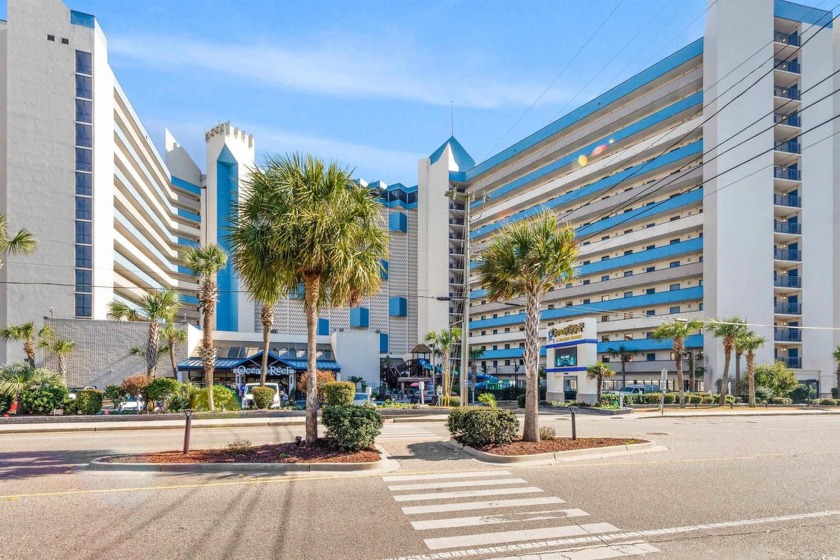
[361, 399]
[131, 404]
[428, 398]
[248, 395]
[71, 394]
[638, 389]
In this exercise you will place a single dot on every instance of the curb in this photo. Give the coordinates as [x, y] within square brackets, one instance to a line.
[558, 456]
[589, 410]
[821, 412]
[385, 464]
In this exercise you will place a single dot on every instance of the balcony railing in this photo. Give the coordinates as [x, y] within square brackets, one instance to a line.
[785, 281]
[787, 227]
[791, 200]
[791, 120]
[456, 221]
[786, 93]
[787, 335]
[790, 174]
[786, 38]
[787, 308]
[787, 65]
[787, 254]
[794, 363]
[790, 147]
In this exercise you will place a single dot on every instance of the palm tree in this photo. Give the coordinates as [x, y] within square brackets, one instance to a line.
[527, 258]
[60, 348]
[475, 354]
[355, 380]
[205, 262]
[836, 355]
[17, 377]
[253, 241]
[747, 344]
[155, 308]
[445, 340]
[598, 371]
[327, 234]
[677, 331]
[625, 355]
[173, 336]
[23, 242]
[26, 333]
[729, 330]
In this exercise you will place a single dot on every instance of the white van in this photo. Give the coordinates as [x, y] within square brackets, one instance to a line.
[248, 396]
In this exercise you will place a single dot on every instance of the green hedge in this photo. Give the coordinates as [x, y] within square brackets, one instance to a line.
[162, 389]
[781, 400]
[350, 427]
[86, 402]
[454, 401]
[263, 397]
[828, 402]
[43, 399]
[478, 427]
[337, 393]
[223, 399]
[5, 403]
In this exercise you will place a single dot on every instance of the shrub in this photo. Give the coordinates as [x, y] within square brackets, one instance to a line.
[777, 377]
[339, 392]
[263, 397]
[827, 402]
[352, 428]
[652, 398]
[731, 399]
[709, 399]
[239, 446]
[5, 403]
[763, 394]
[43, 399]
[693, 399]
[802, 392]
[520, 400]
[454, 401]
[478, 427]
[162, 389]
[223, 399]
[487, 398]
[86, 402]
[834, 393]
[548, 433]
[781, 400]
[609, 401]
[114, 393]
[321, 378]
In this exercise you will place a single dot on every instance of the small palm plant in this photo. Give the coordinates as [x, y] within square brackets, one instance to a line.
[26, 333]
[747, 344]
[729, 330]
[61, 348]
[444, 340]
[599, 371]
[23, 242]
[173, 336]
[17, 377]
[155, 308]
[206, 262]
[678, 331]
[527, 258]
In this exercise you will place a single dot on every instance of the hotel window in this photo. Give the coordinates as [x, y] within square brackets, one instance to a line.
[507, 362]
[83, 232]
[84, 258]
[568, 304]
[586, 282]
[650, 269]
[674, 241]
[674, 310]
[605, 298]
[649, 291]
[585, 302]
[650, 313]
[83, 305]
[83, 183]
[605, 318]
[651, 356]
[674, 264]
[605, 358]
[84, 87]
[628, 336]
[628, 252]
[84, 111]
[84, 63]
[628, 273]
[84, 159]
[83, 208]
[84, 135]
[628, 294]
[675, 286]
[605, 278]
[605, 338]
[605, 258]
[650, 247]
[84, 280]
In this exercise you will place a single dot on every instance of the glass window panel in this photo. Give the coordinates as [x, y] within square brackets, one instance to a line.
[84, 232]
[84, 159]
[83, 305]
[84, 86]
[84, 135]
[84, 111]
[84, 256]
[84, 280]
[84, 62]
[84, 208]
[84, 183]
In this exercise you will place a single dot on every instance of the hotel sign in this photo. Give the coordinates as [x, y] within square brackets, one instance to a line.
[272, 370]
[571, 331]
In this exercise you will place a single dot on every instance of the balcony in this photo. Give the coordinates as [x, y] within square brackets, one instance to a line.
[787, 93]
[787, 254]
[787, 308]
[791, 39]
[791, 119]
[789, 147]
[790, 200]
[783, 334]
[787, 174]
[793, 363]
[456, 221]
[787, 227]
[785, 281]
[787, 65]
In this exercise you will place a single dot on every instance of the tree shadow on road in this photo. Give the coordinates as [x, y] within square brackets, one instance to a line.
[431, 451]
[28, 464]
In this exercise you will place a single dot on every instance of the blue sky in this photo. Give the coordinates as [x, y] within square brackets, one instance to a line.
[370, 82]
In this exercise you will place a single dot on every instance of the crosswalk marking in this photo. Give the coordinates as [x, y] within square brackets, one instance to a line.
[456, 484]
[496, 519]
[516, 536]
[470, 506]
[467, 494]
[392, 431]
[466, 474]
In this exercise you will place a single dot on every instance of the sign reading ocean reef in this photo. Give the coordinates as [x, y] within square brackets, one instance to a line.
[572, 331]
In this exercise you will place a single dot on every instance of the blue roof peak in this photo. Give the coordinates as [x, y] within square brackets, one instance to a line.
[462, 159]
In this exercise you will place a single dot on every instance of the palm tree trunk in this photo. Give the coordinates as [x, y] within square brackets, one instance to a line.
[751, 378]
[531, 430]
[838, 380]
[737, 373]
[29, 350]
[172, 343]
[724, 383]
[678, 354]
[447, 383]
[152, 345]
[313, 285]
[62, 366]
[267, 319]
[208, 351]
[623, 372]
[598, 389]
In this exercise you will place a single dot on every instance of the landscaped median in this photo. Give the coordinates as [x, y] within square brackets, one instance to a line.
[492, 435]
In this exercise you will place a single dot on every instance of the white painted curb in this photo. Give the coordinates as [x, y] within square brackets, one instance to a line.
[559, 456]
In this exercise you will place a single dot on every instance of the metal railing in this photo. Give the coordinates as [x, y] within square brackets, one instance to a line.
[787, 254]
[787, 65]
[792, 200]
[787, 335]
[789, 146]
[787, 227]
[795, 363]
[788, 308]
[790, 174]
[786, 38]
[785, 281]
[790, 120]
[787, 93]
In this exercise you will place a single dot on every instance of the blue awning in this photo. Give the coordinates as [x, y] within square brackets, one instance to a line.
[255, 361]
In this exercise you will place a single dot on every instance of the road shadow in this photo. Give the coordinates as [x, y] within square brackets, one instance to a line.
[28, 464]
[430, 451]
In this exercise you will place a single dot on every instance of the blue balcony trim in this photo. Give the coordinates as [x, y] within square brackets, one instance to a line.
[189, 215]
[383, 343]
[683, 247]
[606, 183]
[187, 242]
[806, 14]
[646, 300]
[397, 221]
[398, 307]
[627, 87]
[694, 101]
[359, 317]
[383, 272]
[568, 369]
[643, 344]
[186, 185]
[323, 326]
[507, 353]
[645, 212]
[227, 189]
[572, 343]
[189, 299]
[82, 19]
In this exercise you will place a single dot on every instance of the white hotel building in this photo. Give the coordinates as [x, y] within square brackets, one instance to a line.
[704, 186]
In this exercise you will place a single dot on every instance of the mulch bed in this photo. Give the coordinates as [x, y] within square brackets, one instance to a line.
[320, 452]
[519, 447]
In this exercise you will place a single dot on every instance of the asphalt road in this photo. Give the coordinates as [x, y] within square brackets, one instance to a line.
[757, 487]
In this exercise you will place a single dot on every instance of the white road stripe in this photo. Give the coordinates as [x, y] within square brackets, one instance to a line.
[523, 535]
[496, 519]
[468, 474]
[595, 539]
[470, 506]
[467, 494]
[456, 484]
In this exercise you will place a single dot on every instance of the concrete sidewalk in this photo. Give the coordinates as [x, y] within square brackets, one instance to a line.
[721, 412]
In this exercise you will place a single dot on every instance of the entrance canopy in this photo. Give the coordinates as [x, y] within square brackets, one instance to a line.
[251, 365]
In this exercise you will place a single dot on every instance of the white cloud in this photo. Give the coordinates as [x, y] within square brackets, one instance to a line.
[356, 66]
